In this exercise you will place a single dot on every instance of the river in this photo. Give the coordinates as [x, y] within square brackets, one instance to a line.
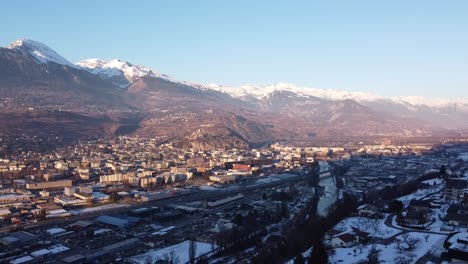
[330, 191]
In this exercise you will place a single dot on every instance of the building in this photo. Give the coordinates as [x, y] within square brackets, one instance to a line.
[13, 198]
[118, 221]
[48, 185]
[118, 177]
[17, 239]
[69, 201]
[367, 210]
[226, 200]
[114, 248]
[344, 240]
[69, 191]
[223, 178]
[455, 189]
[455, 219]
[415, 218]
[420, 205]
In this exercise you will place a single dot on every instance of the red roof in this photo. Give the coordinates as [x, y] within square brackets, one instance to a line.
[334, 232]
[347, 237]
[359, 232]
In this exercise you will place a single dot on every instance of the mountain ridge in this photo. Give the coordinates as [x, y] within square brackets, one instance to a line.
[134, 71]
[125, 98]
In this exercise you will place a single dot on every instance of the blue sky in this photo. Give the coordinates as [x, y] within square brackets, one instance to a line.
[391, 48]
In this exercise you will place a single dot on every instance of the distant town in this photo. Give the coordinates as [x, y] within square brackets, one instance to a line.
[133, 200]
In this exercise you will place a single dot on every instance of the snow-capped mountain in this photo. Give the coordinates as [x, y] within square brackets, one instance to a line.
[120, 72]
[33, 75]
[262, 91]
[41, 53]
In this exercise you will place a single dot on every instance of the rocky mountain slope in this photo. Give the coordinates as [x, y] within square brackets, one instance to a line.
[40, 89]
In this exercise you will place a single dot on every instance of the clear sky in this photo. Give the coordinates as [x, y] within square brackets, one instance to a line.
[392, 48]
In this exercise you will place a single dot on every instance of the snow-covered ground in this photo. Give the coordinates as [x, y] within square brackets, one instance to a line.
[464, 156]
[420, 194]
[179, 251]
[437, 181]
[376, 227]
[388, 253]
[439, 224]
[305, 254]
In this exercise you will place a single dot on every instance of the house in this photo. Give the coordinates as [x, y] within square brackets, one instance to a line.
[457, 215]
[331, 233]
[420, 205]
[383, 206]
[361, 235]
[344, 240]
[369, 210]
[455, 189]
[456, 219]
[415, 218]
[458, 248]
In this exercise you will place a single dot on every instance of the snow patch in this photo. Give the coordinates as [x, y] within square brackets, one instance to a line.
[41, 52]
[180, 252]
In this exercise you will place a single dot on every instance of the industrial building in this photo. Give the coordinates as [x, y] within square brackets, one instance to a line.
[48, 185]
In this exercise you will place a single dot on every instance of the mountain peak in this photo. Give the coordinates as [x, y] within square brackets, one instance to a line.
[122, 72]
[41, 52]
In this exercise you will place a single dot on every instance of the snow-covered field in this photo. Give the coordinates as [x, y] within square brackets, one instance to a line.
[376, 227]
[388, 253]
[437, 181]
[179, 251]
[419, 194]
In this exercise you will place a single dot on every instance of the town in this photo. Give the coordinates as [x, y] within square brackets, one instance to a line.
[133, 200]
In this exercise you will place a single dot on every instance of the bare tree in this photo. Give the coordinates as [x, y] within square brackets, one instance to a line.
[399, 245]
[401, 260]
[148, 260]
[171, 258]
[404, 237]
[426, 237]
[373, 257]
[412, 243]
[411, 256]
[368, 225]
[361, 247]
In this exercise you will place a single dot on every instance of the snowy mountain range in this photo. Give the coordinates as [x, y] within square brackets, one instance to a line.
[124, 73]
[262, 91]
[34, 75]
